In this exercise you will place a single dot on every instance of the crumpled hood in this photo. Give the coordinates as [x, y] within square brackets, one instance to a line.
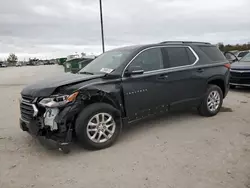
[240, 65]
[46, 87]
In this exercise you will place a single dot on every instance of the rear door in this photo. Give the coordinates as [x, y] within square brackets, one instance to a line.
[184, 79]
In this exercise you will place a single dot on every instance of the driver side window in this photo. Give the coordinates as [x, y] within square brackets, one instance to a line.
[149, 60]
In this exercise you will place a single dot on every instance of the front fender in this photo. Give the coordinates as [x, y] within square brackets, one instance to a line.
[108, 93]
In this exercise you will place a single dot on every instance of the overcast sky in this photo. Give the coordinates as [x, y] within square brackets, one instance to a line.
[53, 28]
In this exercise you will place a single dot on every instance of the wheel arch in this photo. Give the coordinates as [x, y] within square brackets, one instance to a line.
[82, 122]
[99, 96]
[219, 81]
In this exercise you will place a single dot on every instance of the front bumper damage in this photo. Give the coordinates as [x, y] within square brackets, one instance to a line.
[53, 124]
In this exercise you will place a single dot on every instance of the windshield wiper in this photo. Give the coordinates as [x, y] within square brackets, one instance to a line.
[84, 72]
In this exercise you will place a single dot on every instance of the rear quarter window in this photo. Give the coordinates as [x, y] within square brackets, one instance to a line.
[213, 53]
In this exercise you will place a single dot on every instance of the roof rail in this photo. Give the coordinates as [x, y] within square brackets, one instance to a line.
[183, 42]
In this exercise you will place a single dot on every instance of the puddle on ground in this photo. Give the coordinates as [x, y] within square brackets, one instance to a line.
[226, 109]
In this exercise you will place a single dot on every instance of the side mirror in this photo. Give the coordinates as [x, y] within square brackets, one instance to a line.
[134, 70]
[231, 57]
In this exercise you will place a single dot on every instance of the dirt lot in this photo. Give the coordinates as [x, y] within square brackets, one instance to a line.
[181, 150]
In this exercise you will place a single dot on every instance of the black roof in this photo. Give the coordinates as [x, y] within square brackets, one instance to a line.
[185, 42]
[136, 48]
[132, 47]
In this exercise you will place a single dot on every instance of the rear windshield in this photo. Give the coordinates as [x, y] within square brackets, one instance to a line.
[213, 53]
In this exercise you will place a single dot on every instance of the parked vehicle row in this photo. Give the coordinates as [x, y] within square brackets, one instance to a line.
[19, 64]
[35, 63]
[241, 54]
[3, 64]
[240, 72]
[122, 86]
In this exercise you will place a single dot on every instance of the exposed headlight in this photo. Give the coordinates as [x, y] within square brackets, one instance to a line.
[58, 101]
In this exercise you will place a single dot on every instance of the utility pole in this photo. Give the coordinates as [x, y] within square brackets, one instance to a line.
[101, 19]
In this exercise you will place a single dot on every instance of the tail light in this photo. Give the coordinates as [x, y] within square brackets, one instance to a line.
[227, 65]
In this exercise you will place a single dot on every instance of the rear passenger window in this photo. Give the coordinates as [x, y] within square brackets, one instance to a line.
[178, 56]
[213, 53]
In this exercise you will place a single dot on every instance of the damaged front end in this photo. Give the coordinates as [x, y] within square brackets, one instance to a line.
[52, 117]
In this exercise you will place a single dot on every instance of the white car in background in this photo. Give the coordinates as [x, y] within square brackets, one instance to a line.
[19, 64]
[3, 64]
[241, 54]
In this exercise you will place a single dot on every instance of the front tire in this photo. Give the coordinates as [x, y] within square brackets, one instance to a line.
[212, 102]
[98, 126]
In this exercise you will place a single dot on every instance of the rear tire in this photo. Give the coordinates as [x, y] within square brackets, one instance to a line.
[90, 126]
[212, 102]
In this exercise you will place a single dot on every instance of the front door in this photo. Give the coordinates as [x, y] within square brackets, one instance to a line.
[143, 93]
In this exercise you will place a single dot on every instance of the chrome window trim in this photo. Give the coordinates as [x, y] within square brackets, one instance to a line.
[194, 53]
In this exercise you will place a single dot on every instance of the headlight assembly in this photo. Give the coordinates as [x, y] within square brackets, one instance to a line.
[58, 101]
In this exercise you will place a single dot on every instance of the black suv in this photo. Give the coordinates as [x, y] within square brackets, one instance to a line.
[122, 86]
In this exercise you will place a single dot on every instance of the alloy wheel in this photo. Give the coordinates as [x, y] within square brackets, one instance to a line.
[101, 127]
[213, 101]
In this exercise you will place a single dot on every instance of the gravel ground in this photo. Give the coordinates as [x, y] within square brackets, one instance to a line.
[180, 150]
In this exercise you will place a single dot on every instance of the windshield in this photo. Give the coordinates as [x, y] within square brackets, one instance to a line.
[107, 62]
[245, 58]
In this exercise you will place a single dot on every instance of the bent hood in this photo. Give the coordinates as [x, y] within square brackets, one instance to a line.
[46, 87]
[241, 65]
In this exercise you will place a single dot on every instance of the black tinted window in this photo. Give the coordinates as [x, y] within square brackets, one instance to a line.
[213, 53]
[242, 54]
[178, 56]
[149, 60]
